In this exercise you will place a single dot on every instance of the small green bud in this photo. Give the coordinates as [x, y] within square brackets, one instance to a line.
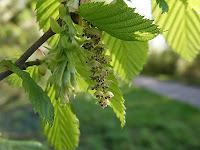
[62, 11]
[42, 69]
[55, 26]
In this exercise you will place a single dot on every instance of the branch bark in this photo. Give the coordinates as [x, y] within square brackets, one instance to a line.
[30, 63]
[23, 67]
[21, 61]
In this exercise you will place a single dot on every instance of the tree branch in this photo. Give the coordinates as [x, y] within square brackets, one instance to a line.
[30, 63]
[28, 53]
[34, 47]
[5, 74]
[23, 67]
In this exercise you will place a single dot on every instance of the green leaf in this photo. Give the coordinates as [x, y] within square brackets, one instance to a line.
[181, 25]
[119, 20]
[45, 9]
[20, 145]
[64, 134]
[16, 81]
[128, 57]
[54, 40]
[194, 4]
[55, 26]
[184, 2]
[116, 102]
[37, 96]
[163, 5]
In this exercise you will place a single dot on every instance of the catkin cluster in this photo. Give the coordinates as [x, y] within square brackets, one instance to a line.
[98, 65]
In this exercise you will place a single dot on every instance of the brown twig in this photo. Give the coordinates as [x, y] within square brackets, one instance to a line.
[22, 66]
[34, 47]
[21, 61]
[30, 63]
[5, 74]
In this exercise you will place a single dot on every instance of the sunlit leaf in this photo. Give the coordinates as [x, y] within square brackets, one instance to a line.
[64, 134]
[44, 10]
[37, 96]
[194, 4]
[181, 28]
[16, 81]
[119, 20]
[128, 57]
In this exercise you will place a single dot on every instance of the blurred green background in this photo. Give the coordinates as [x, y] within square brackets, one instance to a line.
[153, 122]
[167, 65]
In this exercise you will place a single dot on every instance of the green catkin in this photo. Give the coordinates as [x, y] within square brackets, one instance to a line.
[97, 65]
[64, 70]
[63, 66]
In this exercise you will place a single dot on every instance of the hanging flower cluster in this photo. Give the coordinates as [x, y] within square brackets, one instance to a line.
[98, 65]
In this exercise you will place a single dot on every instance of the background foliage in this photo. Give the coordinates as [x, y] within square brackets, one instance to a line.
[172, 125]
[180, 26]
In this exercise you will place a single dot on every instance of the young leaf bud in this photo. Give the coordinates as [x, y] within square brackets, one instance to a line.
[62, 11]
[55, 26]
[42, 68]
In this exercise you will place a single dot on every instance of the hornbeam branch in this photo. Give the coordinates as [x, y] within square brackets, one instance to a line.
[23, 67]
[21, 61]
